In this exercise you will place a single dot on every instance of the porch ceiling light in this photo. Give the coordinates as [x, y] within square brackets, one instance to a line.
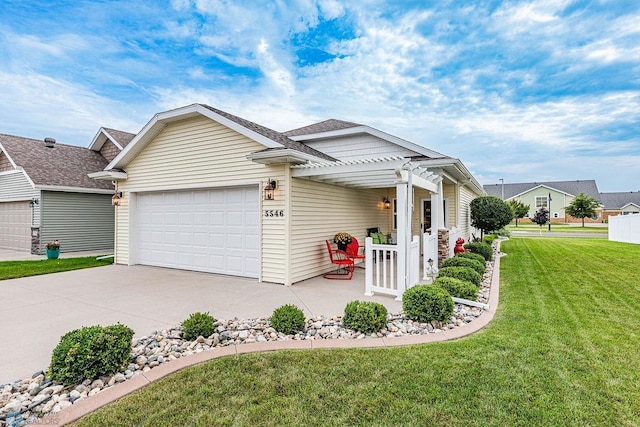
[387, 202]
[269, 189]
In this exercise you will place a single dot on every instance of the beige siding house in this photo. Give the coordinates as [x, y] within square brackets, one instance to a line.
[193, 193]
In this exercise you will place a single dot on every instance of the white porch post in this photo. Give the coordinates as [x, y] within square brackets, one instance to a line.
[368, 266]
[403, 237]
[437, 209]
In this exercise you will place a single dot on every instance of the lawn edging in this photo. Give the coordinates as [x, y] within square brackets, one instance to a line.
[111, 394]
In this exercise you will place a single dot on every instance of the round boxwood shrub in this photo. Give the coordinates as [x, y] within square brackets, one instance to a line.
[489, 238]
[458, 288]
[463, 273]
[483, 249]
[471, 255]
[90, 352]
[198, 324]
[478, 266]
[365, 316]
[425, 303]
[287, 319]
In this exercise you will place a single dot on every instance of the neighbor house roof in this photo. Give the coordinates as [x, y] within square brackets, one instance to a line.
[325, 126]
[63, 165]
[572, 188]
[620, 200]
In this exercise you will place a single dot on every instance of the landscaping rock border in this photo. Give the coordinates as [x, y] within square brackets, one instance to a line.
[24, 401]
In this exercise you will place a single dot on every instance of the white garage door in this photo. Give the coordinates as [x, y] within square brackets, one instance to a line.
[15, 226]
[216, 231]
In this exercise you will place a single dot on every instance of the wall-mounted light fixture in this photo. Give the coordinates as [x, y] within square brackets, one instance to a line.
[387, 202]
[117, 197]
[33, 202]
[269, 189]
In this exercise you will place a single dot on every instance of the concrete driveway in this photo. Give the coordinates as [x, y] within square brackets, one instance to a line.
[38, 310]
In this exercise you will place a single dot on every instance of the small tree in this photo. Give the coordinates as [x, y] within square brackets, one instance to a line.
[541, 217]
[489, 213]
[518, 209]
[582, 206]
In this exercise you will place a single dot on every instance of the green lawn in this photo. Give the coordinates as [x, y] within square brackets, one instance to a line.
[561, 351]
[16, 269]
[529, 226]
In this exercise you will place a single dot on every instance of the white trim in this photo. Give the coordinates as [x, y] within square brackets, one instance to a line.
[108, 175]
[629, 204]
[73, 189]
[2, 149]
[97, 143]
[286, 155]
[201, 186]
[160, 120]
[21, 199]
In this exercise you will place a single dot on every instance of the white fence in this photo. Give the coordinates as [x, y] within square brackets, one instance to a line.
[430, 252]
[382, 272]
[625, 228]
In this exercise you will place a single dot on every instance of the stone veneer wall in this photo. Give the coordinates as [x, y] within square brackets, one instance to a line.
[443, 245]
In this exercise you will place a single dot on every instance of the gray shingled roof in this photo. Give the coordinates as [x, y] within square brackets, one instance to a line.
[63, 165]
[121, 137]
[325, 126]
[619, 200]
[271, 134]
[574, 188]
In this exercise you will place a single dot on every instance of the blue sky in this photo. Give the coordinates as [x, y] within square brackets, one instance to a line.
[520, 90]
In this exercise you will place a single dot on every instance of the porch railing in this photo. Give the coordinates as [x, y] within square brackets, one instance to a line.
[382, 271]
[380, 268]
[430, 251]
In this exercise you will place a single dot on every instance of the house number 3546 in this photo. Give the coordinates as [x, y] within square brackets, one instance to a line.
[270, 213]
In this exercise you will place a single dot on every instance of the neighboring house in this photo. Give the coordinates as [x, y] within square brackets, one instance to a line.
[198, 193]
[624, 203]
[536, 195]
[45, 193]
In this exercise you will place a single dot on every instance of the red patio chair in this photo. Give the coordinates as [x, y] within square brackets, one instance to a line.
[353, 250]
[344, 263]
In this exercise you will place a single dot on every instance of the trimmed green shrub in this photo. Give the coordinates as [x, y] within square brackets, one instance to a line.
[89, 352]
[198, 324]
[489, 238]
[478, 266]
[480, 248]
[365, 316]
[287, 319]
[471, 255]
[458, 288]
[463, 273]
[425, 303]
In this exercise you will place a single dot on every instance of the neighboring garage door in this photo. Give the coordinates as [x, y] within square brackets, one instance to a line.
[15, 226]
[215, 231]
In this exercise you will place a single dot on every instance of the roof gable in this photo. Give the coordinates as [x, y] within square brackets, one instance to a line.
[336, 129]
[63, 165]
[271, 139]
[118, 138]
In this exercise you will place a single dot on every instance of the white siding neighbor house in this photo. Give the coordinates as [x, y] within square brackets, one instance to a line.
[196, 192]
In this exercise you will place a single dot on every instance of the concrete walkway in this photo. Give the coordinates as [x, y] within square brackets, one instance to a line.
[38, 310]
[11, 255]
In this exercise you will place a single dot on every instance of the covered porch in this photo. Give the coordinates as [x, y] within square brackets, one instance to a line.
[401, 263]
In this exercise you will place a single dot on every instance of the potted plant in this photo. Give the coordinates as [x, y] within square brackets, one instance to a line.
[342, 239]
[53, 249]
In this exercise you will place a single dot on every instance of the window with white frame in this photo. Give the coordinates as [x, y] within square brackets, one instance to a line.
[542, 202]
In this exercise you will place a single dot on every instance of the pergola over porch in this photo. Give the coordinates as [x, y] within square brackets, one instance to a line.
[386, 172]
